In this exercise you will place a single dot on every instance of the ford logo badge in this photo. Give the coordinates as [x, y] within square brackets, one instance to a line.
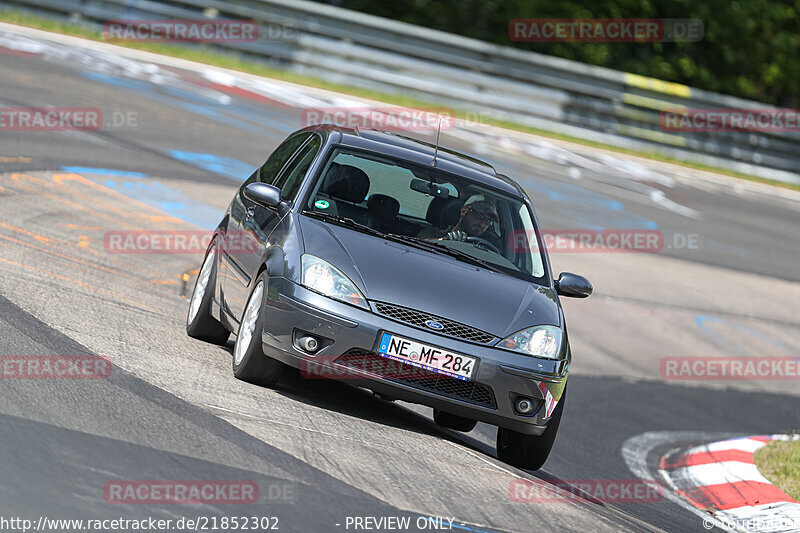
[434, 325]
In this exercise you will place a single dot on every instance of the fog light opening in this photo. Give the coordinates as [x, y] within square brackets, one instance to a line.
[308, 343]
[523, 405]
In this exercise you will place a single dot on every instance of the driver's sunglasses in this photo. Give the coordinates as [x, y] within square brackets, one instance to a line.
[482, 217]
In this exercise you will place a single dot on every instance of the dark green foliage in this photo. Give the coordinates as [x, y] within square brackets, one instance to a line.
[751, 48]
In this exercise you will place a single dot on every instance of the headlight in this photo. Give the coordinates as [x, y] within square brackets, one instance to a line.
[540, 341]
[321, 276]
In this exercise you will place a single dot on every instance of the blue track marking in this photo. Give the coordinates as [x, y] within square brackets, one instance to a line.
[169, 200]
[140, 187]
[227, 167]
[104, 172]
[583, 208]
[243, 116]
[584, 219]
[573, 194]
[701, 321]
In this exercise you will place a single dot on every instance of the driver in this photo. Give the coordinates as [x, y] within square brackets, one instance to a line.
[477, 214]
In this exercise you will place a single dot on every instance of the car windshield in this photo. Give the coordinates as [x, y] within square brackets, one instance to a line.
[426, 206]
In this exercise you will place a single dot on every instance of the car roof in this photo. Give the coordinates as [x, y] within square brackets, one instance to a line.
[407, 148]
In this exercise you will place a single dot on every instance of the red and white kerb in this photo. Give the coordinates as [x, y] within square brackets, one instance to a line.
[722, 478]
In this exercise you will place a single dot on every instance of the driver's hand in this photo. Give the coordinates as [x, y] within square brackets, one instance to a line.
[456, 235]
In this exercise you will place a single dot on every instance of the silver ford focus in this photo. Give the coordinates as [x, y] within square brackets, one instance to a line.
[411, 270]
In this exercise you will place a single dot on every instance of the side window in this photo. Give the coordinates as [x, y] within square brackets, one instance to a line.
[253, 177]
[292, 177]
[278, 158]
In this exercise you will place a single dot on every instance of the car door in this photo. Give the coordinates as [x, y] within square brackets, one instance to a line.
[250, 225]
[231, 259]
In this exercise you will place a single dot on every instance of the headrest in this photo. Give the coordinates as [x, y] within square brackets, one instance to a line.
[383, 206]
[444, 212]
[346, 182]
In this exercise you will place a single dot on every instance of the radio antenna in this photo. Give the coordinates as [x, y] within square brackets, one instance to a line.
[436, 150]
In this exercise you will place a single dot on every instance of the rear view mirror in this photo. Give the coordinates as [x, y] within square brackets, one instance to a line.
[430, 188]
[573, 285]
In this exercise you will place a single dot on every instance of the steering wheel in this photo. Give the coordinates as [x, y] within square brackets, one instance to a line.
[483, 244]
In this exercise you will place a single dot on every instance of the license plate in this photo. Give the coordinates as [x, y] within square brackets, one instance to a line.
[437, 360]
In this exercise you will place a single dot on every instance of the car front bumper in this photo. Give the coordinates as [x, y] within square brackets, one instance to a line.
[501, 377]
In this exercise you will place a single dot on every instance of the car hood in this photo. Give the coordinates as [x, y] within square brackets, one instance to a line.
[395, 273]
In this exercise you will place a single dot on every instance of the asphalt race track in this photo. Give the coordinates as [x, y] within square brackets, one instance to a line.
[175, 140]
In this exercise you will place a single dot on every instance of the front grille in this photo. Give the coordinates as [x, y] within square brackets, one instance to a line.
[418, 318]
[467, 391]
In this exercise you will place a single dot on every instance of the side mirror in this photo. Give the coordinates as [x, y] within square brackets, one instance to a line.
[264, 195]
[573, 285]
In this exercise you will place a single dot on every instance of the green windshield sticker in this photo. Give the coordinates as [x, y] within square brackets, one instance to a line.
[322, 204]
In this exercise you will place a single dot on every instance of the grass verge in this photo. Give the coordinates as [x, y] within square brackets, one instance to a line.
[211, 56]
[779, 462]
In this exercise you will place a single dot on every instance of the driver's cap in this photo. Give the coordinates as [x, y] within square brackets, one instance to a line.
[480, 204]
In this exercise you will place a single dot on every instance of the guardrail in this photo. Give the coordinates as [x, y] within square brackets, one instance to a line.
[532, 89]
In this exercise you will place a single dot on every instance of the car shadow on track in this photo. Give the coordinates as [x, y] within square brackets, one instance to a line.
[358, 402]
[351, 400]
[347, 399]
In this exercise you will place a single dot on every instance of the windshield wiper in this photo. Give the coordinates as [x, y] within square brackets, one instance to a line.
[345, 221]
[442, 248]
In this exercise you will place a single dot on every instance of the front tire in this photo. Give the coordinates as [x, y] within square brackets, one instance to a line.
[199, 322]
[529, 451]
[458, 423]
[249, 362]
